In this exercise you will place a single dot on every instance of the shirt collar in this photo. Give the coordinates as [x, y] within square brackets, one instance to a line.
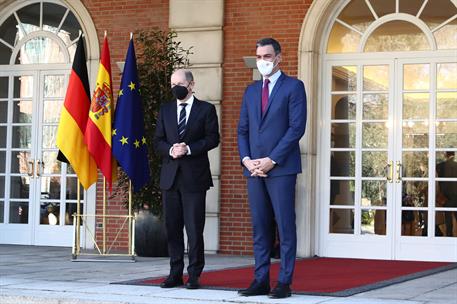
[273, 78]
[189, 102]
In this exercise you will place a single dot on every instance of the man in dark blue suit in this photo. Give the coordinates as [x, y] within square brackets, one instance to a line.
[187, 128]
[272, 121]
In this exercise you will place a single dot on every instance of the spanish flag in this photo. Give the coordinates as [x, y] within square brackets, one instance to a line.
[98, 130]
[73, 121]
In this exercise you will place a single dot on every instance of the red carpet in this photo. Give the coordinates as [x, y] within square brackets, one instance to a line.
[325, 276]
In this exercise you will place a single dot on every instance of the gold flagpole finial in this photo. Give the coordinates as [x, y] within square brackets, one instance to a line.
[105, 33]
[131, 35]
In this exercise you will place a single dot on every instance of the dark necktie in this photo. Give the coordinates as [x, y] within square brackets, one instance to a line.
[182, 121]
[265, 93]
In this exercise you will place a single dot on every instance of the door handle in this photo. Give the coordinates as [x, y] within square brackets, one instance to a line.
[31, 168]
[390, 169]
[39, 167]
[398, 177]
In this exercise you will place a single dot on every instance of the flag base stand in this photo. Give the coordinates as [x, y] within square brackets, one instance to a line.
[103, 253]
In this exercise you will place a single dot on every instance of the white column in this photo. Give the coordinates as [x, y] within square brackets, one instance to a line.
[199, 25]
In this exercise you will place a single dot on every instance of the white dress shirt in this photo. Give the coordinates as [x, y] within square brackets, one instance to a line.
[273, 79]
[189, 103]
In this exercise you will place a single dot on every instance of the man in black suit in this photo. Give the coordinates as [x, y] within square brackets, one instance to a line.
[186, 129]
[448, 168]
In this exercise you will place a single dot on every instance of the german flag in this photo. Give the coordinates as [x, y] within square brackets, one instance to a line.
[73, 121]
[98, 130]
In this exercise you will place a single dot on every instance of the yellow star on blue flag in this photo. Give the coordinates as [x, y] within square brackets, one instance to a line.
[129, 123]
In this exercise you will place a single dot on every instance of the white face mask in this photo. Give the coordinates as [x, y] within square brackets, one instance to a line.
[265, 67]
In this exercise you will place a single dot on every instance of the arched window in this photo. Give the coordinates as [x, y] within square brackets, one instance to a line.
[394, 25]
[39, 33]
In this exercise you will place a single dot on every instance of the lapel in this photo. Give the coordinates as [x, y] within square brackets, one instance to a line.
[258, 99]
[172, 119]
[273, 94]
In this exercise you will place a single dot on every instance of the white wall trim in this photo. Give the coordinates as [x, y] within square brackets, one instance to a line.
[199, 32]
[313, 36]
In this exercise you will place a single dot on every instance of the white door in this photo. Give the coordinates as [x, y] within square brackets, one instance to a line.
[39, 192]
[17, 158]
[386, 124]
[359, 144]
[426, 139]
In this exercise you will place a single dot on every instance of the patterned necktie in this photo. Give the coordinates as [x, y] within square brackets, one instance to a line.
[182, 121]
[265, 93]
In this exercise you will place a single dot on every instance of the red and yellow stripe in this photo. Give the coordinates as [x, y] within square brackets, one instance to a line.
[98, 129]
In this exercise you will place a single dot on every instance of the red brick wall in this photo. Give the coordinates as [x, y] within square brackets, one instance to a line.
[119, 18]
[246, 22]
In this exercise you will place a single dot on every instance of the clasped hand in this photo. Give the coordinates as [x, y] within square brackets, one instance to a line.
[259, 167]
[179, 150]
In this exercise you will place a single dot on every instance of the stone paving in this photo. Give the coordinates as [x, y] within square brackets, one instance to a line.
[46, 275]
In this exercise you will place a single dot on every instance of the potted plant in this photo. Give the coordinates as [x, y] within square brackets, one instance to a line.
[158, 55]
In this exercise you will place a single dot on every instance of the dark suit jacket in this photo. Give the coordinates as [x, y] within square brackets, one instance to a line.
[277, 132]
[202, 135]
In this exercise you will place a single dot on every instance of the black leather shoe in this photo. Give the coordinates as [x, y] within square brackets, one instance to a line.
[255, 289]
[193, 283]
[171, 282]
[280, 291]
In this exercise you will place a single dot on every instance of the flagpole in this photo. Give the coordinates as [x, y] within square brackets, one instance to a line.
[78, 218]
[104, 215]
[133, 239]
[130, 218]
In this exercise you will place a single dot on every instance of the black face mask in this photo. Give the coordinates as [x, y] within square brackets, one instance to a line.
[179, 92]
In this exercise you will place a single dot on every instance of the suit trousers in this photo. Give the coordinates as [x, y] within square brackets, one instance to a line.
[184, 209]
[273, 198]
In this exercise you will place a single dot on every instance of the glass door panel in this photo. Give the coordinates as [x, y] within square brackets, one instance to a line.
[446, 150]
[359, 151]
[4, 84]
[56, 195]
[50, 171]
[412, 169]
[426, 170]
[343, 149]
[71, 197]
[360, 144]
[374, 149]
[20, 153]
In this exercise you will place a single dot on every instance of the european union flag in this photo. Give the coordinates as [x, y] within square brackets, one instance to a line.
[128, 141]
